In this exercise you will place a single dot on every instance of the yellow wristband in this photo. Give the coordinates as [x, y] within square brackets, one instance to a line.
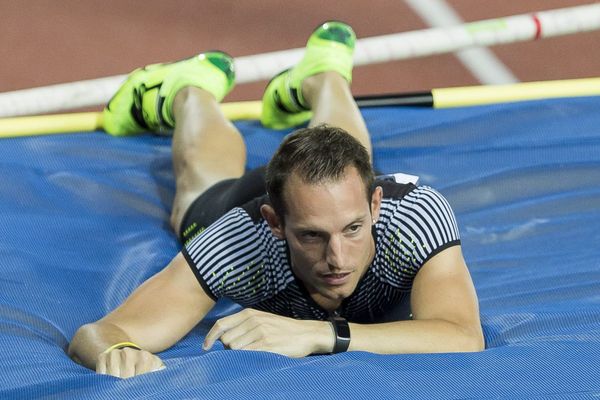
[121, 345]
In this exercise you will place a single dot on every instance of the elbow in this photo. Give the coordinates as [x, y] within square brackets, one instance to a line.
[474, 344]
[473, 341]
[480, 342]
[465, 339]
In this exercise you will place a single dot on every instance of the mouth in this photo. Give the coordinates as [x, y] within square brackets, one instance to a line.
[336, 279]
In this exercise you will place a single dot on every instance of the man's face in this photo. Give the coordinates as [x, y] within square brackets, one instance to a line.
[328, 229]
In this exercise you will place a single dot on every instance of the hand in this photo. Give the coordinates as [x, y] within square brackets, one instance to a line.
[128, 362]
[257, 330]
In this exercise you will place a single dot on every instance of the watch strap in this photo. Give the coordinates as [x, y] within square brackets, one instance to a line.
[341, 330]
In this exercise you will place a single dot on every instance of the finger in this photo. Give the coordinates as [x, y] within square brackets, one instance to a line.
[215, 333]
[129, 359]
[259, 345]
[113, 365]
[269, 345]
[222, 326]
[101, 364]
[250, 337]
[157, 364]
[218, 329]
[240, 331]
[145, 362]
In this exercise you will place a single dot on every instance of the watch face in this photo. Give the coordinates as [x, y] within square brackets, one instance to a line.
[342, 334]
[343, 330]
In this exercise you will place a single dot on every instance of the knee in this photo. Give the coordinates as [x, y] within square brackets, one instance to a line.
[176, 219]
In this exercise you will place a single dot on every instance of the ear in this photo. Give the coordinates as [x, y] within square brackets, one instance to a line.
[376, 202]
[269, 214]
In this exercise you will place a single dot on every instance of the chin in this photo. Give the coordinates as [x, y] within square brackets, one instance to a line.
[340, 292]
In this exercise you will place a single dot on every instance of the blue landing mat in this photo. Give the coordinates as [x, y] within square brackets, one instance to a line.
[84, 220]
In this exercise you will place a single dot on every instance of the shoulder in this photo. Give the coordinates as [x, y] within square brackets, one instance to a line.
[416, 226]
[427, 199]
[230, 233]
[239, 258]
[422, 202]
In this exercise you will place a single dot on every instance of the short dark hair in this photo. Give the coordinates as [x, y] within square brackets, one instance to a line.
[317, 154]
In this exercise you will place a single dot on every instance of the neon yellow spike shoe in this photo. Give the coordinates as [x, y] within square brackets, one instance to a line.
[145, 101]
[329, 48]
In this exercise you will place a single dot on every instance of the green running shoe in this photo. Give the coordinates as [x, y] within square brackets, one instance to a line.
[329, 48]
[145, 101]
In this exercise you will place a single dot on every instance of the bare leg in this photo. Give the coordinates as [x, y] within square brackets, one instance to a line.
[329, 97]
[207, 148]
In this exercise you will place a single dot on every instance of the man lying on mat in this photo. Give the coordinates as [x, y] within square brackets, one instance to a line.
[324, 257]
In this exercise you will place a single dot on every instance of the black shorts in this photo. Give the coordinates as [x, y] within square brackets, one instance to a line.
[219, 199]
[222, 197]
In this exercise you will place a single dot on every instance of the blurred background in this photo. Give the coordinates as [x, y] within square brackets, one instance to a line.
[47, 42]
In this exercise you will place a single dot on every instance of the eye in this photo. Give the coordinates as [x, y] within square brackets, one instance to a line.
[354, 228]
[309, 235]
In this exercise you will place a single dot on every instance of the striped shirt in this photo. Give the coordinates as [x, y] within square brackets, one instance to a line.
[239, 258]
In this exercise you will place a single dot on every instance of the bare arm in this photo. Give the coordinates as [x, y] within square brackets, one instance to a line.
[445, 312]
[155, 316]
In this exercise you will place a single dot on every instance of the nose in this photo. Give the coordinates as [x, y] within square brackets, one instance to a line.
[335, 256]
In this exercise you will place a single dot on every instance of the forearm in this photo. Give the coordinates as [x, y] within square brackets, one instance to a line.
[92, 339]
[415, 336]
[323, 337]
[155, 316]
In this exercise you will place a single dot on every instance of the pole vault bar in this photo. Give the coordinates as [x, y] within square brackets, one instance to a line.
[244, 110]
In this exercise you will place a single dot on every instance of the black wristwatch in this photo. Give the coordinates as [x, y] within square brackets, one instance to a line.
[342, 334]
